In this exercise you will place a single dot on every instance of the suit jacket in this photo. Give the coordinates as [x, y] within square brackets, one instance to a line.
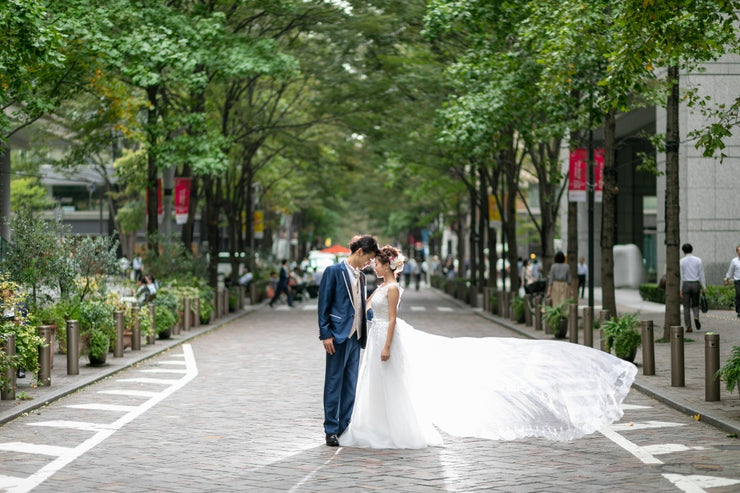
[336, 311]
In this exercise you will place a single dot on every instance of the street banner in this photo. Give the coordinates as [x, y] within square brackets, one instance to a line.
[494, 216]
[578, 174]
[259, 225]
[182, 199]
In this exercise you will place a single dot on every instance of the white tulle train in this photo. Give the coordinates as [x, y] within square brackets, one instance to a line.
[494, 388]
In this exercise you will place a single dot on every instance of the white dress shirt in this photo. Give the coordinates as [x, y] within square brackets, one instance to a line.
[692, 269]
[733, 273]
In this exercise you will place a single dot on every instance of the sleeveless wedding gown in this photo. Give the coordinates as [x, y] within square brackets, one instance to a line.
[494, 388]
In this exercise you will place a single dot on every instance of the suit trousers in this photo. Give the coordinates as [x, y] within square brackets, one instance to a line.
[340, 381]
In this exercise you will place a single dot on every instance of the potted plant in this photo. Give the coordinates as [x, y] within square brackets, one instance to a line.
[98, 346]
[15, 320]
[518, 307]
[556, 317]
[621, 333]
[96, 316]
[165, 313]
[730, 372]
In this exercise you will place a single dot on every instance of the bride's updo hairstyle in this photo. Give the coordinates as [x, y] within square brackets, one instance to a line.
[392, 256]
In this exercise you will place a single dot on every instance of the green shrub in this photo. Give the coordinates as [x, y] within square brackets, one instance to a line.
[721, 297]
[651, 292]
[99, 343]
[164, 318]
[621, 334]
[730, 372]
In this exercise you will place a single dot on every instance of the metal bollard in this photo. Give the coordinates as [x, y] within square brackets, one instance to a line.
[678, 374]
[538, 313]
[217, 304]
[152, 337]
[7, 391]
[512, 312]
[588, 326]
[118, 347]
[186, 314]
[603, 317]
[573, 322]
[196, 317]
[648, 348]
[73, 347]
[45, 355]
[136, 330]
[711, 365]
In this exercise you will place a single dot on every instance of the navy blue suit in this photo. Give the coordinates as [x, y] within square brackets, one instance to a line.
[336, 316]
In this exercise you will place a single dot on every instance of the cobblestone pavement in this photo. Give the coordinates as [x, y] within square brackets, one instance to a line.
[238, 408]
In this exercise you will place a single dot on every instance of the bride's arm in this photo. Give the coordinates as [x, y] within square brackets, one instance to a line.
[393, 296]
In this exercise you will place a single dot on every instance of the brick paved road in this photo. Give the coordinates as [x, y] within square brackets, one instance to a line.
[244, 414]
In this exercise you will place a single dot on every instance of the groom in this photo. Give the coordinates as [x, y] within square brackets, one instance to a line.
[343, 331]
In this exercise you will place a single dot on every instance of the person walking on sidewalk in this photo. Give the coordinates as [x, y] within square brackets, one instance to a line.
[582, 276]
[733, 274]
[692, 284]
[558, 281]
[282, 285]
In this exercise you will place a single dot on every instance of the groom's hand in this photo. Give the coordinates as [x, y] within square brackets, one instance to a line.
[329, 345]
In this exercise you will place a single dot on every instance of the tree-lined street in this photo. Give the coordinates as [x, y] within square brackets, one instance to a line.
[239, 409]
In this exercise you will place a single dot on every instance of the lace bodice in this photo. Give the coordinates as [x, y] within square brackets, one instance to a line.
[379, 302]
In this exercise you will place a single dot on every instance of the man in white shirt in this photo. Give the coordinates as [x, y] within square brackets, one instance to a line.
[733, 274]
[693, 283]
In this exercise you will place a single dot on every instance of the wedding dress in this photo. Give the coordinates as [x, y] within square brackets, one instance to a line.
[494, 388]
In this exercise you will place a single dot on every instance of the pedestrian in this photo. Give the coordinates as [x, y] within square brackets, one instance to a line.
[343, 331]
[282, 285]
[416, 272]
[733, 274]
[526, 275]
[582, 276]
[558, 281]
[245, 278]
[136, 265]
[692, 284]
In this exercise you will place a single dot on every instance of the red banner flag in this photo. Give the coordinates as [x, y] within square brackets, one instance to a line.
[578, 174]
[182, 199]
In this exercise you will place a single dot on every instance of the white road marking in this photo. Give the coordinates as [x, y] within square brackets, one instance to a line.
[632, 407]
[644, 425]
[132, 393]
[67, 455]
[7, 482]
[172, 363]
[696, 484]
[164, 370]
[669, 448]
[444, 309]
[418, 308]
[103, 407]
[645, 456]
[163, 381]
[73, 425]
[33, 448]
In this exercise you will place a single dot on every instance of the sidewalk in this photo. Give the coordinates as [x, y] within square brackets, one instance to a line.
[29, 398]
[690, 399]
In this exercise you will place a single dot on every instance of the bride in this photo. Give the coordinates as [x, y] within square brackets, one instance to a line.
[412, 383]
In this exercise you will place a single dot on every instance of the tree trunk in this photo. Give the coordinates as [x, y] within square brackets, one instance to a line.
[211, 219]
[672, 226]
[473, 248]
[482, 226]
[5, 191]
[152, 226]
[609, 195]
[573, 247]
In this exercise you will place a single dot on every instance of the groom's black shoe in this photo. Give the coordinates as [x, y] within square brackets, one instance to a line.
[332, 440]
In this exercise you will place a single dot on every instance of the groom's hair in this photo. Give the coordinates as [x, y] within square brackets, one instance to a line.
[368, 244]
